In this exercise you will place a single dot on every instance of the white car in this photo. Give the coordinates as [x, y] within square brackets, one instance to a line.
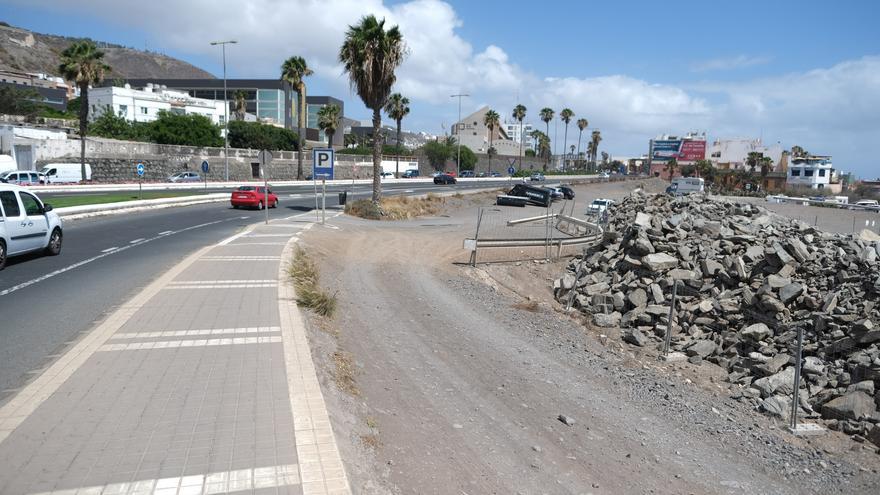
[386, 175]
[185, 177]
[27, 224]
[598, 206]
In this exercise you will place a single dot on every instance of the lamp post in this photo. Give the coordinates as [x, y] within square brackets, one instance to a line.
[458, 127]
[225, 105]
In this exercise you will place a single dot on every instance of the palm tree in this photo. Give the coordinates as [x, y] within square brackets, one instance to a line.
[565, 115]
[582, 124]
[546, 115]
[240, 104]
[397, 108]
[370, 54]
[83, 65]
[293, 72]
[519, 113]
[595, 138]
[492, 121]
[328, 121]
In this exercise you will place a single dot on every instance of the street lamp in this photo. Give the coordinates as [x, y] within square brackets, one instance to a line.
[458, 125]
[225, 106]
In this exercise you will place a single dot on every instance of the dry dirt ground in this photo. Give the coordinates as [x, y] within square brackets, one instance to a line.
[443, 378]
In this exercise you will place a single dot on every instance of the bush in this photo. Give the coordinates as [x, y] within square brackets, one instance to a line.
[185, 130]
[305, 277]
[255, 135]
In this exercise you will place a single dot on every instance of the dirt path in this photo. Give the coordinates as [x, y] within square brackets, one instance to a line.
[457, 392]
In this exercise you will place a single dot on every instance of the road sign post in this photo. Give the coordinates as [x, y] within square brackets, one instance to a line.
[265, 157]
[205, 169]
[140, 171]
[323, 160]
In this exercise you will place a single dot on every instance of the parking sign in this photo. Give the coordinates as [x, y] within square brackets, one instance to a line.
[322, 163]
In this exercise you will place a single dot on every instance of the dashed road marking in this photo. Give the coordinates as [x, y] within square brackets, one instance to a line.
[136, 240]
[108, 250]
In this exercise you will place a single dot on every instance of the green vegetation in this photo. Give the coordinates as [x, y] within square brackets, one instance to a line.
[306, 281]
[168, 128]
[370, 55]
[254, 135]
[328, 121]
[15, 101]
[65, 201]
[440, 152]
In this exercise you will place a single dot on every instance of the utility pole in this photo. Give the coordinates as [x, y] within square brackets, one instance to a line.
[458, 126]
[225, 106]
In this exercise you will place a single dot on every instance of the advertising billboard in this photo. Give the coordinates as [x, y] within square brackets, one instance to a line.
[683, 150]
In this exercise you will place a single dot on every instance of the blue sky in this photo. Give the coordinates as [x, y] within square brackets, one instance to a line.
[804, 72]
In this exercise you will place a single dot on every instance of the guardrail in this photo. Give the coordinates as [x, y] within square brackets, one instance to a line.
[779, 199]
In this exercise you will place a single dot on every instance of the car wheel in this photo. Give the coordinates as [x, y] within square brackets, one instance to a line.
[260, 205]
[54, 246]
[235, 207]
[275, 204]
[2, 255]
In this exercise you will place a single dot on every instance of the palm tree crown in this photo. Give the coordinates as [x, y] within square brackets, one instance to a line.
[397, 107]
[240, 105]
[492, 121]
[293, 72]
[565, 115]
[83, 64]
[370, 55]
[328, 121]
[519, 113]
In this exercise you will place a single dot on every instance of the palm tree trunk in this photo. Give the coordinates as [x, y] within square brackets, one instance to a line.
[330, 139]
[83, 126]
[581, 133]
[377, 155]
[549, 154]
[301, 119]
[489, 153]
[564, 146]
[521, 139]
[397, 159]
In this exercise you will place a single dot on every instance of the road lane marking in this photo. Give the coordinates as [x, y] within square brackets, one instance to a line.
[173, 344]
[166, 232]
[193, 333]
[136, 240]
[96, 258]
[223, 286]
[109, 250]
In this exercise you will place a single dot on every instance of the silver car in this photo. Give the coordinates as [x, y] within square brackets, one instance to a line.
[185, 177]
[27, 224]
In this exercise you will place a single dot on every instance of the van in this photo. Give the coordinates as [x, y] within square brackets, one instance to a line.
[7, 163]
[61, 173]
[686, 185]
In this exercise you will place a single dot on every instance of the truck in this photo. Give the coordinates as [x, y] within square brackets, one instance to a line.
[539, 196]
[686, 185]
[65, 173]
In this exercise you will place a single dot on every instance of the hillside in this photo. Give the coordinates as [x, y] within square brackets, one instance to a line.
[26, 51]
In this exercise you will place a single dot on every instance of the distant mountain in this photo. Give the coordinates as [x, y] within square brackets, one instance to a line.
[25, 51]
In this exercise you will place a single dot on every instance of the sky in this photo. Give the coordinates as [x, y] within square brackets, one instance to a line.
[796, 72]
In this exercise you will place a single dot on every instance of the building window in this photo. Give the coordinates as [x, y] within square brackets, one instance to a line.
[808, 172]
[143, 110]
[123, 110]
[222, 120]
[795, 172]
[822, 172]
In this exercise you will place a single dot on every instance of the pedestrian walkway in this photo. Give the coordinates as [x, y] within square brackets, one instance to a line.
[203, 383]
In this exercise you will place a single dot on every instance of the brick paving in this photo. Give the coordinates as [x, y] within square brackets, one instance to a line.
[201, 384]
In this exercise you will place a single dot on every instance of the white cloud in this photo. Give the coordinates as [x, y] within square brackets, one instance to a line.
[729, 63]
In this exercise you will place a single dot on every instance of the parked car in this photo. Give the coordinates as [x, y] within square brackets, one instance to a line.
[555, 193]
[604, 175]
[65, 173]
[467, 173]
[386, 175]
[686, 185]
[867, 204]
[185, 177]
[27, 224]
[537, 176]
[444, 179]
[253, 197]
[409, 174]
[599, 206]
[494, 174]
[23, 177]
[567, 191]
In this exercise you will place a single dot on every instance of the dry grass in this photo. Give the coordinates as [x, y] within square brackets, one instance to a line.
[309, 294]
[344, 373]
[371, 441]
[396, 208]
[531, 306]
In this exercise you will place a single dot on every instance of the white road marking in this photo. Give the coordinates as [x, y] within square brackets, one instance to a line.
[108, 250]
[172, 344]
[95, 258]
[267, 235]
[193, 333]
[136, 240]
[209, 484]
[166, 232]
[239, 258]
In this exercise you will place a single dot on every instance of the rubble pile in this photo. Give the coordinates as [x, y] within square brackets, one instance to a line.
[749, 280]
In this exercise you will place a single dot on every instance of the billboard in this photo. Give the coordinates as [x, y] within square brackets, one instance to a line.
[683, 150]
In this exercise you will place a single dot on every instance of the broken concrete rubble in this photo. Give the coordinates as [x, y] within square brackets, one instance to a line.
[747, 280]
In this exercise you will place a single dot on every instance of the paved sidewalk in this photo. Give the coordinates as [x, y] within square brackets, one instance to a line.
[203, 383]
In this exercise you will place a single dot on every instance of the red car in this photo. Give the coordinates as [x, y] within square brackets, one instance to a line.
[253, 196]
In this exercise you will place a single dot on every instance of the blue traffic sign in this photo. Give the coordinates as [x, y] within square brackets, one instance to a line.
[205, 167]
[511, 170]
[140, 169]
[322, 163]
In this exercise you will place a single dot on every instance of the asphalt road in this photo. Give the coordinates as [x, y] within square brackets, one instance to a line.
[47, 302]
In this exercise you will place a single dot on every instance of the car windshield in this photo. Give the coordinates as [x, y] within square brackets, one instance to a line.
[247, 188]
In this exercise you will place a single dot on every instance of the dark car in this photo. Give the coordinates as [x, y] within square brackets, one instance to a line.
[444, 179]
[537, 176]
[467, 173]
[409, 174]
[566, 191]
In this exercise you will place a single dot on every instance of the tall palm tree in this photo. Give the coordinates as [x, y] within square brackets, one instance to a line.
[293, 72]
[595, 138]
[397, 108]
[240, 104]
[546, 115]
[492, 121]
[582, 124]
[565, 115]
[328, 121]
[519, 113]
[83, 65]
[370, 54]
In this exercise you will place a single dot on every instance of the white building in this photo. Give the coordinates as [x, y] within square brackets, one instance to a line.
[810, 171]
[513, 132]
[473, 133]
[144, 105]
[735, 152]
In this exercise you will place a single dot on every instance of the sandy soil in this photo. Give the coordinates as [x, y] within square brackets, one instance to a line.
[443, 378]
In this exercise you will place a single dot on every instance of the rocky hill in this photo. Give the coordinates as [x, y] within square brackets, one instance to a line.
[26, 51]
